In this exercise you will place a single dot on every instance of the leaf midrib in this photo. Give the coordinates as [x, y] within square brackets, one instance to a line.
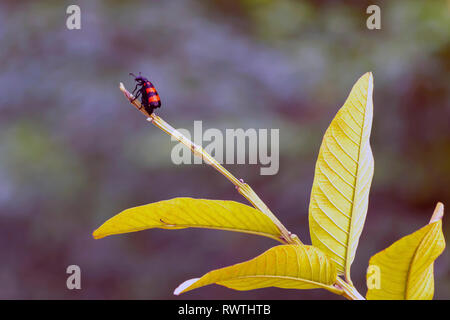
[347, 251]
[268, 235]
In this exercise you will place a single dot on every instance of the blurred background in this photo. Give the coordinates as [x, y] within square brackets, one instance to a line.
[74, 152]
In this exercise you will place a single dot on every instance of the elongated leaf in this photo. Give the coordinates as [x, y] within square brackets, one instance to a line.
[182, 213]
[405, 269]
[284, 266]
[343, 175]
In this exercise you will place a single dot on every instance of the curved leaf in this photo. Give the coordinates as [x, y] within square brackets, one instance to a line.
[342, 179]
[179, 213]
[284, 266]
[405, 269]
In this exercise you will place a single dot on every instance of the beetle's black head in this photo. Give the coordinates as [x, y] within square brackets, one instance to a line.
[139, 79]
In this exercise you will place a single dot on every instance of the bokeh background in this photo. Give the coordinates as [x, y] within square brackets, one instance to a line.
[73, 152]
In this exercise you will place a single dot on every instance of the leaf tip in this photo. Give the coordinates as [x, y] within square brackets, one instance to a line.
[182, 287]
[96, 234]
[370, 78]
[366, 75]
[438, 213]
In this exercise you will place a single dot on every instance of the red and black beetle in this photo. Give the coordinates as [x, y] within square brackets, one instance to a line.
[149, 96]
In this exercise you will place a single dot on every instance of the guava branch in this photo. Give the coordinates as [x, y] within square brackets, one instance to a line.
[243, 188]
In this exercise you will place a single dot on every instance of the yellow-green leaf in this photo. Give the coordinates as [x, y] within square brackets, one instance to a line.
[342, 179]
[404, 271]
[179, 213]
[284, 266]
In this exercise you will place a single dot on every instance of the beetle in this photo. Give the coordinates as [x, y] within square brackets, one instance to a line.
[149, 96]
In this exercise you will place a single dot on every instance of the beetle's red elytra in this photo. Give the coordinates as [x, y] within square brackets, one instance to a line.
[150, 99]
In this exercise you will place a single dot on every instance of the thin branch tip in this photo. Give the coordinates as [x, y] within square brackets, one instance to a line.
[243, 188]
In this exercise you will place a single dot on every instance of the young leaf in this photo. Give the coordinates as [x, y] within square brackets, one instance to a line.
[179, 213]
[342, 179]
[284, 266]
[405, 269]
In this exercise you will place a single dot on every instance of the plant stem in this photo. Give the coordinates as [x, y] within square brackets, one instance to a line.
[243, 188]
[349, 291]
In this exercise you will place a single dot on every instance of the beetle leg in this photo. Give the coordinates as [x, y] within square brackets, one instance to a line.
[135, 88]
[133, 93]
[137, 95]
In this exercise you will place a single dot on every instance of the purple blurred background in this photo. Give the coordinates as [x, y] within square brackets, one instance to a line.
[73, 152]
